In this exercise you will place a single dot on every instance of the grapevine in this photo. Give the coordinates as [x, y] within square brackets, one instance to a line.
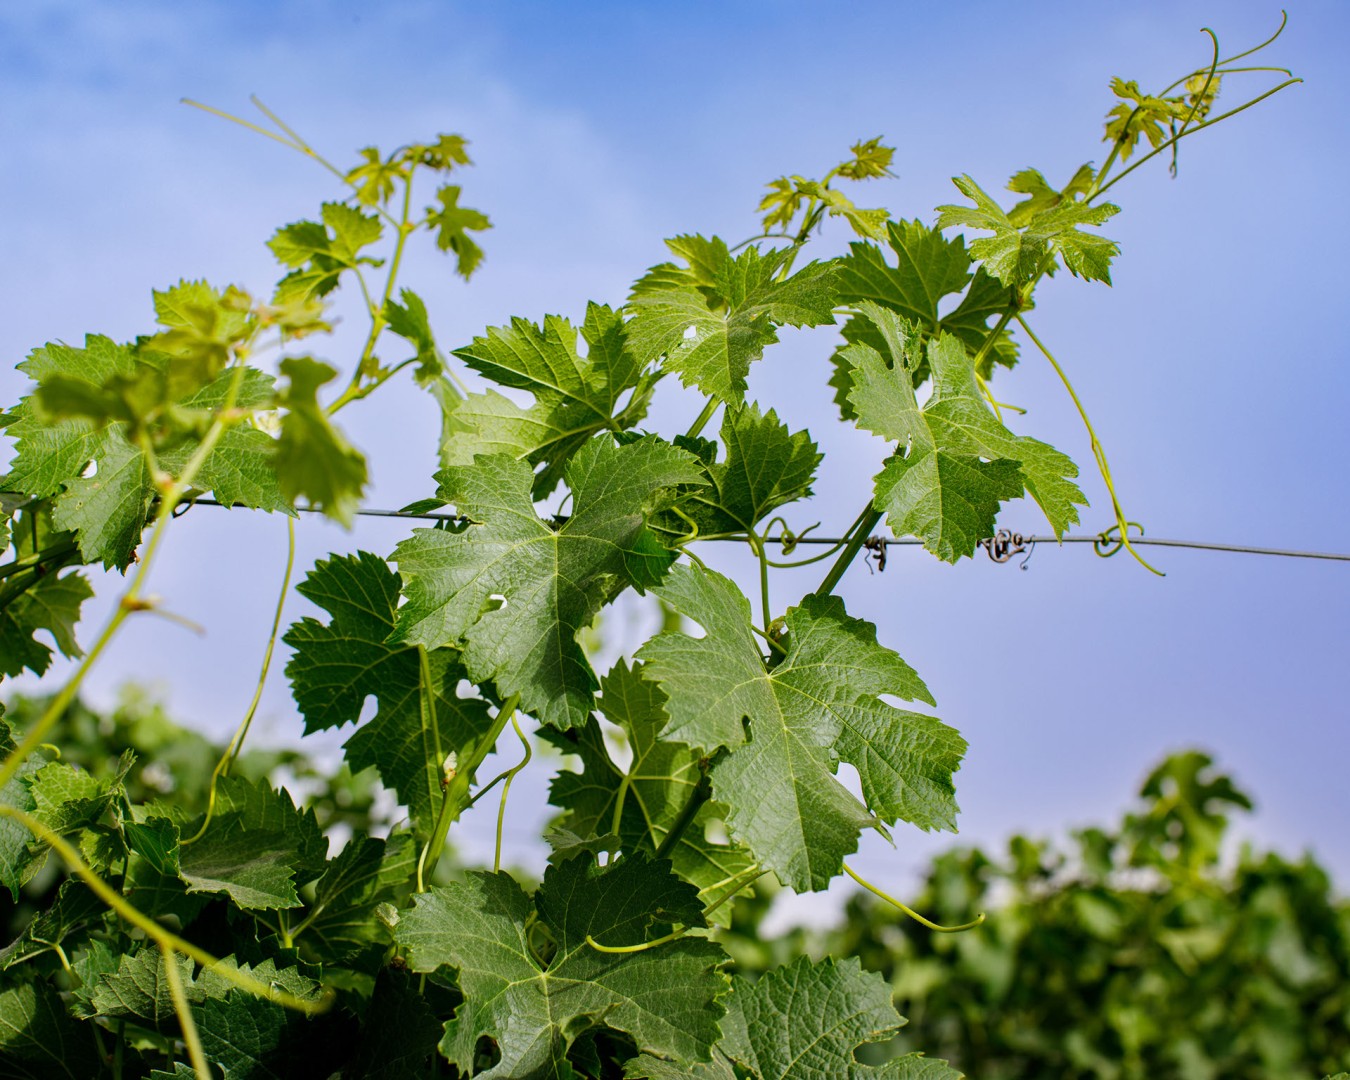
[225, 929]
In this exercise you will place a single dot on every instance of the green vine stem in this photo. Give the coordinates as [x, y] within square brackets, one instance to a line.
[701, 420]
[1097, 450]
[191, 1039]
[910, 911]
[752, 875]
[701, 794]
[152, 929]
[458, 772]
[509, 775]
[131, 600]
[231, 754]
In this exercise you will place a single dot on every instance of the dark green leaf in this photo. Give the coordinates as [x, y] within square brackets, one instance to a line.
[664, 997]
[550, 581]
[337, 665]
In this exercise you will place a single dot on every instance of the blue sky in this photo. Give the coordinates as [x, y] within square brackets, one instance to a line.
[1214, 368]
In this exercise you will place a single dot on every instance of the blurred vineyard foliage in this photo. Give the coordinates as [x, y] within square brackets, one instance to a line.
[1142, 951]
[1139, 952]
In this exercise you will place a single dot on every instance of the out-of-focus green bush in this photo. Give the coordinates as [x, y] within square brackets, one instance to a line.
[1140, 952]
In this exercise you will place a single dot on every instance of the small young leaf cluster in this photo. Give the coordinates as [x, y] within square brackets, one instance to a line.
[229, 931]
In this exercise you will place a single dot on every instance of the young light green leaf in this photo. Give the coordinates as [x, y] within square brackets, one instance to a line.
[960, 461]
[664, 997]
[319, 253]
[711, 319]
[1016, 256]
[335, 666]
[101, 483]
[574, 396]
[203, 325]
[514, 590]
[805, 1020]
[452, 224]
[313, 459]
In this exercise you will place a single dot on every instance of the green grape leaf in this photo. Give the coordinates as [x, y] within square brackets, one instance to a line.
[66, 798]
[928, 267]
[374, 177]
[318, 253]
[17, 861]
[366, 873]
[452, 224]
[139, 988]
[656, 785]
[766, 467]
[713, 318]
[250, 1037]
[1041, 196]
[100, 482]
[203, 326]
[399, 1032]
[515, 591]
[646, 1067]
[336, 665]
[795, 721]
[313, 458]
[664, 997]
[255, 846]
[870, 161]
[38, 1038]
[410, 321]
[70, 914]
[805, 1020]
[51, 603]
[574, 396]
[1015, 256]
[960, 461]
[1141, 115]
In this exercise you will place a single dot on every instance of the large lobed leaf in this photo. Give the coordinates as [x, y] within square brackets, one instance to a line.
[513, 590]
[338, 664]
[958, 461]
[788, 725]
[575, 396]
[660, 778]
[664, 997]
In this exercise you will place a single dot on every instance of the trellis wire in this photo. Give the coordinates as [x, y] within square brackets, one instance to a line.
[1099, 539]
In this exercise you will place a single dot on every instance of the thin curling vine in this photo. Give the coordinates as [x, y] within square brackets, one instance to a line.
[706, 760]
